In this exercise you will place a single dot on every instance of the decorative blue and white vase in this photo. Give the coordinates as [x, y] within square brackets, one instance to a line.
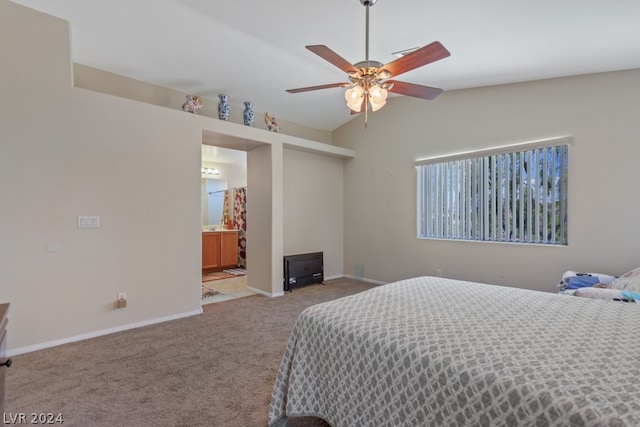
[224, 110]
[248, 113]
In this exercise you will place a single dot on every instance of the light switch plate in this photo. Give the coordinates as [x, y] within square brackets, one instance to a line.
[88, 222]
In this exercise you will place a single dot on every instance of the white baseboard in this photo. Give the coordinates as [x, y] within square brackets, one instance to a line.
[338, 276]
[266, 294]
[67, 340]
[281, 293]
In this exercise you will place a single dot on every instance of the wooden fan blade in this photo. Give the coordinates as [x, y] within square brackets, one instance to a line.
[410, 89]
[327, 86]
[423, 56]
[328, 55]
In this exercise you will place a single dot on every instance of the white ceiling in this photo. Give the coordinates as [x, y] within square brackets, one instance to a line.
[254, 50]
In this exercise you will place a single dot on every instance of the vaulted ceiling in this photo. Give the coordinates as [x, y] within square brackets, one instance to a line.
[255, 50]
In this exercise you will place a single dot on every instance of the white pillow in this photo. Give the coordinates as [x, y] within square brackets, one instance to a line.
[629, 281]
[599, 293]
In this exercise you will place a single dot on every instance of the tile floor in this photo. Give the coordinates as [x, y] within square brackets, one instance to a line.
[235, 287]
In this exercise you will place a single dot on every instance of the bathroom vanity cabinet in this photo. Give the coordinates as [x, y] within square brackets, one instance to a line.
[219, 250]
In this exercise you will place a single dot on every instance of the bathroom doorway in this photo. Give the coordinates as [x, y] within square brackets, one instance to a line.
[223, 207]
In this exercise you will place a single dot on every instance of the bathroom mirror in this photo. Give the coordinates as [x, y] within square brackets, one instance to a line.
[213, 200]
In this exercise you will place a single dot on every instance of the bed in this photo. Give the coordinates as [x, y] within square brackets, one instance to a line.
[430, 351]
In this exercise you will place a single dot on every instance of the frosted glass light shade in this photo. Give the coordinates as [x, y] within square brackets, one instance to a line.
[353, 96]
[377, 97]
[375, 106]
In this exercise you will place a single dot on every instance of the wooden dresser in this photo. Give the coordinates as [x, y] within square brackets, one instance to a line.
[4, 362]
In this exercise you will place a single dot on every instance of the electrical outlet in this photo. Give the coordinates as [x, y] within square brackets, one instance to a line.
[121, 302]
[438, 272]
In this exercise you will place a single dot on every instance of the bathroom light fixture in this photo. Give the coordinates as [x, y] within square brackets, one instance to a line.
[211, 171]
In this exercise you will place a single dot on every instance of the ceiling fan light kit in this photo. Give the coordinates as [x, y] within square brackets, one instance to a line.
[369, 80]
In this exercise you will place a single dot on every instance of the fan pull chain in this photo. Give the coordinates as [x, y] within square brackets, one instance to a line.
[366, 103]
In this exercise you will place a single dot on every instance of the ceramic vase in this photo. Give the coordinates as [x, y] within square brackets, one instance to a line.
[248, 113]
[224, 110]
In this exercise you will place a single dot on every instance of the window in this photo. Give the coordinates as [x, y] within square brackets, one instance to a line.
[509, 194]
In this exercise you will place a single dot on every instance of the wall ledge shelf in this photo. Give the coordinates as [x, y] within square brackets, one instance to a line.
[240, 137]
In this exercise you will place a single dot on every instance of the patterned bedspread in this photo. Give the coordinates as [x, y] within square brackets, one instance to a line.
[430, 351]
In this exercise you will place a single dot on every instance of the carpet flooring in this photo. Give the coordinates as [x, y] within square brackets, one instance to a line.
[214, 369]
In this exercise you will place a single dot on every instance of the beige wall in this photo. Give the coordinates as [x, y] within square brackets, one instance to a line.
[114, 84]
[313, 201]
[66, 152]
[259, 218]
[74, 152]
[599, 111]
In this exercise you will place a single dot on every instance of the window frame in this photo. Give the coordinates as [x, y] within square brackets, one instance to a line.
[482, 233]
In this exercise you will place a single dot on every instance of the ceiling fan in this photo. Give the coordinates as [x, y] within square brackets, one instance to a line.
[369, 80]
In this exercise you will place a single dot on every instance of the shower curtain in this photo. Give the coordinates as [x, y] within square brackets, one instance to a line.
[225, 208]
[240, 223]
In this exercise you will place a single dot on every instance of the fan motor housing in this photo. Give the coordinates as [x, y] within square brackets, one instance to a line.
[368, 64]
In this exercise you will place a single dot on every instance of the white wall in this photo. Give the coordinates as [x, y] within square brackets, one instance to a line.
[234, 175]
[599, 111]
